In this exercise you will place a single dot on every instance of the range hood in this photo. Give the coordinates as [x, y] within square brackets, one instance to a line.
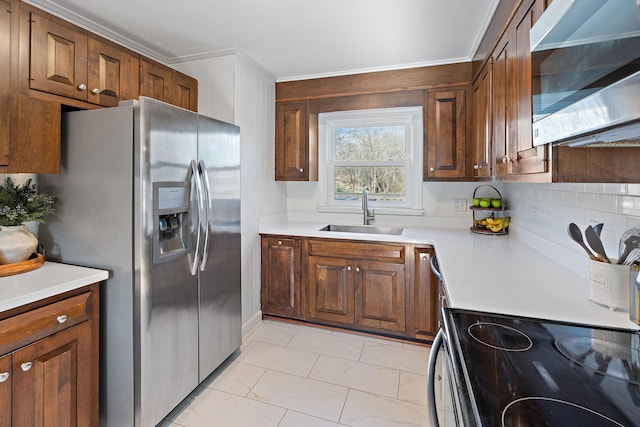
[585, 57]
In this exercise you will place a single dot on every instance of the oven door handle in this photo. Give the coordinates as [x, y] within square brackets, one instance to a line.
[431, 378]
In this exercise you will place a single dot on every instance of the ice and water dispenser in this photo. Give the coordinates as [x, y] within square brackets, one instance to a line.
[171, 220]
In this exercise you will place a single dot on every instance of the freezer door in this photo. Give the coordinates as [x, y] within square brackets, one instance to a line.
[219, 277]
[167, 291]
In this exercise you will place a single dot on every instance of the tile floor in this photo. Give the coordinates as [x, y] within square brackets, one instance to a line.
[291, 375]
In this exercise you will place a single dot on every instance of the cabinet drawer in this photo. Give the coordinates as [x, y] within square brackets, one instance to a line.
[25, 328]
[364, 251]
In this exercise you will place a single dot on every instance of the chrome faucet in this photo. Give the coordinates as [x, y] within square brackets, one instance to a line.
[367, 217]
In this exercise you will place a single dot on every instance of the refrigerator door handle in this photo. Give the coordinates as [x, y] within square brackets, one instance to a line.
[193, 176]
[208, 218]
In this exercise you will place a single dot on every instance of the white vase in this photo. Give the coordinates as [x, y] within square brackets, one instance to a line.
[16, 244]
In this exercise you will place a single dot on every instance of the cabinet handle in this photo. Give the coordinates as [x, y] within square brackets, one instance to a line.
[4, 376]
[357, 268]
[279, 242]
[348, 268]
[95, 91]
[82, 87]
[26, 366]
[301, 170]
[431, 169]
[62, 318]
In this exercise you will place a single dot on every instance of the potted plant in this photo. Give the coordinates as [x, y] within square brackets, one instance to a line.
[18, 205]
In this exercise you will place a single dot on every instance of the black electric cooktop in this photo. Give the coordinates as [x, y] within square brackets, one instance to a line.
[530, 372]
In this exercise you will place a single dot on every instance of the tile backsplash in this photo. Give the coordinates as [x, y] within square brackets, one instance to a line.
[545, 211]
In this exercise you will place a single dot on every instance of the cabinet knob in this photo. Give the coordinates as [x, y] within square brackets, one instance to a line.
[95, 91]
[301, 170]
[476, 166]
[423, 256]
[357, 268]
[279, 242]
[82, 87]
[4, 376]
[62, 318]
[432, 169]
[26, 366]
[348, 268]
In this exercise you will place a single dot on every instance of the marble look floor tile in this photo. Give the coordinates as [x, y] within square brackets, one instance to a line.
[416, 347]
[404, 359]
[413, 388]
[360, 376]
[284, 359]
[368, 338]
[296, 419]
[369, 410]
[236, 378]
[329, 344]
[216, 408]
[304, 395]
[273, 332]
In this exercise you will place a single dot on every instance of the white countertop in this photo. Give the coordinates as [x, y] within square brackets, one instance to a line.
[49, 280]
[497, 274]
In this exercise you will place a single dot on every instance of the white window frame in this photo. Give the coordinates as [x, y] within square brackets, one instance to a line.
[411, 119]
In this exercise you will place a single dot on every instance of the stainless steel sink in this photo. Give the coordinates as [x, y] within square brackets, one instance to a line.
[365, 229]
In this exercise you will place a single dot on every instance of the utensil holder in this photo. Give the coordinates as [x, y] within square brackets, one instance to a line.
[610, 284]
[634, 294]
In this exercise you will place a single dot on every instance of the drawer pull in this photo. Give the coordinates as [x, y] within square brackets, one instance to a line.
[26, 366]
[62, 318]
[4, 376]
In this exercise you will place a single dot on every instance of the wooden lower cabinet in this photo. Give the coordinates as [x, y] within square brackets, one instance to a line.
[361, 285]
[280, 290]
[49, 377]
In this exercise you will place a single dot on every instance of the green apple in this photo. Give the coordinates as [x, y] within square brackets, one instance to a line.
[485, 203]
[476, 202]
[496, 203]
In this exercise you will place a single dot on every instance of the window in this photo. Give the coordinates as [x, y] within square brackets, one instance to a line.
[380, 150]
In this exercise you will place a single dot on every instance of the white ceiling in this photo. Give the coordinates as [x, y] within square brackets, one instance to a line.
[291, 39]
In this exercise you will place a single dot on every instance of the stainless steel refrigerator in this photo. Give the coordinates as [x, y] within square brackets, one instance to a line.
[151, 192]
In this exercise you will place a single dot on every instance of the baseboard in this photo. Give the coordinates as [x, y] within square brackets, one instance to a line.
[253, 322]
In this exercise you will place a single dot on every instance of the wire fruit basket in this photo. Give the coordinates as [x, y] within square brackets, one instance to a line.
[489, 212]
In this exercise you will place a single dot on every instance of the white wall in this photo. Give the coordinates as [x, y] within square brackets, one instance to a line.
[541, 214]
[234, 89]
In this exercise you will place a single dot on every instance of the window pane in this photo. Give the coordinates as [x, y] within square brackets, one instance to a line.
[370, 143]
[383, 183]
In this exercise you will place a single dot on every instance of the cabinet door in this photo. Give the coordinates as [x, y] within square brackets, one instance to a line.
[446, 135]
[52, 383]
[379, 295]
[184, 91]
[330, 290]
[291, 142]
[113, 74]
[5, 86]
[5, 390]
[280, 291]
[425, 300]
[482, 123]
[154, 81]
[503, 110]
[530, 159]
[58, 58]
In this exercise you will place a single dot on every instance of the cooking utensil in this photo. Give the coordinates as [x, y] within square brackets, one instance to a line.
[633, 257]
[632, 242]
[596, 244]
[576, 235]
[598, 228]
[630, 232]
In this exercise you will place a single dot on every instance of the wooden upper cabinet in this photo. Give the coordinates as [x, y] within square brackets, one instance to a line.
[184, 91]
[529, 159]
[58, 57]
[113, 73]
[164, 84]
[6, 37]
[482, 123]
[296, 155]
[503, 108]
[445, 151]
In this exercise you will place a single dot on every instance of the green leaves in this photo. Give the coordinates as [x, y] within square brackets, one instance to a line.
[20, 204]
